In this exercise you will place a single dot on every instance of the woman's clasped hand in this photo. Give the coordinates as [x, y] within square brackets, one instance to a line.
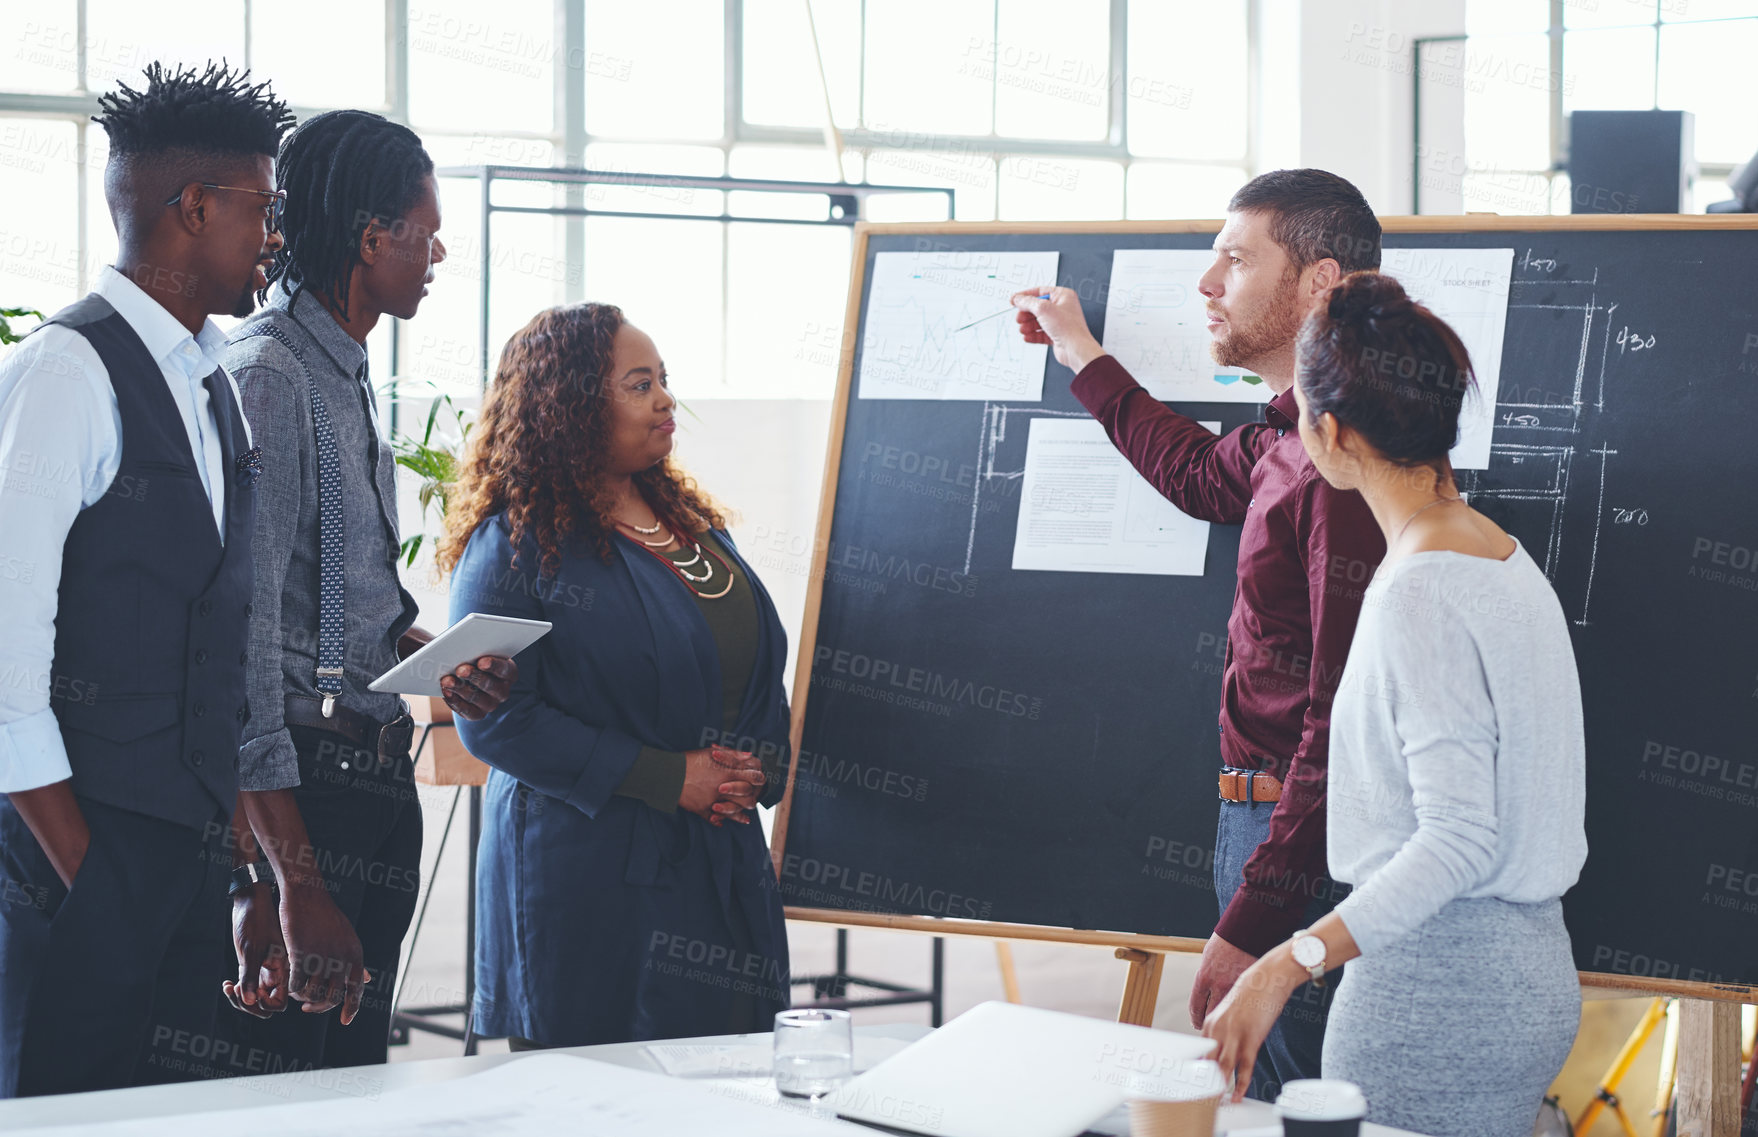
[721, 784]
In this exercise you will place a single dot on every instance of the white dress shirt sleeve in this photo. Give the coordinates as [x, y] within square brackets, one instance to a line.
[59, 450]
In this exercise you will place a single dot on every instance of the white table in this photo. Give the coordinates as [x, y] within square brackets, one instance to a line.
[330, 1085]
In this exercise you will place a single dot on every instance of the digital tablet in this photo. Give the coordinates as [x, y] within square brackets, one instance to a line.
[476, 635]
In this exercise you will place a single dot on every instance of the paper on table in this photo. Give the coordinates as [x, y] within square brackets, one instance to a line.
[714, 1059]
[752, 1059]
[1155, 326]
[1083, 508]
[911, 348]
[536, 1096]
[1468, 288]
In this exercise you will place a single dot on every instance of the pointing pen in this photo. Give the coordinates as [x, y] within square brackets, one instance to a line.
[992, 315]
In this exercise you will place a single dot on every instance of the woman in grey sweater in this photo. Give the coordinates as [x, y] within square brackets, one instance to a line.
[1455, 794]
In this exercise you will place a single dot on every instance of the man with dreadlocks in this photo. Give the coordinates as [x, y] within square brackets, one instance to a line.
[325, 768]
[128, 489]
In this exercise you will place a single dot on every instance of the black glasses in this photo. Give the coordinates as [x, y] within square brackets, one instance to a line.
[277, 208]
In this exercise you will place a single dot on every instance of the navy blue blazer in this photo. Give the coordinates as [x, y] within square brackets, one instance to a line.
[599, 918]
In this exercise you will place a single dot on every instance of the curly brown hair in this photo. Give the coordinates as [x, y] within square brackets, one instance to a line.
[538, 450]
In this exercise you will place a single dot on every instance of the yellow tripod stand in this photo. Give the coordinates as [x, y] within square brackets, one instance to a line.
[1606, 1097]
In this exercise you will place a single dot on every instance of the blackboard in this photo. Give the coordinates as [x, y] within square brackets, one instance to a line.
[1048, 756]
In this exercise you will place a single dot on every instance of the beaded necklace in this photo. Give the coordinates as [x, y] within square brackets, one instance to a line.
[706, 557]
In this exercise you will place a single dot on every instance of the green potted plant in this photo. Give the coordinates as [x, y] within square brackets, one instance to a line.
[7, 315]
[434, 460]
[432, 455]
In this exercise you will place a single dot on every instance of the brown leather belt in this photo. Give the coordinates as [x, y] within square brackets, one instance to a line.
[1249, 785]
[390, 741]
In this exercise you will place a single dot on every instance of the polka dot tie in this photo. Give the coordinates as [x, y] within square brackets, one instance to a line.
[329, 511]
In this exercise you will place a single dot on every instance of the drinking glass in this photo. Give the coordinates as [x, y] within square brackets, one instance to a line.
[814, 1052]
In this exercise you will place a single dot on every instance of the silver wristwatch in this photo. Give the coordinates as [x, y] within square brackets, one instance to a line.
[1309, 952]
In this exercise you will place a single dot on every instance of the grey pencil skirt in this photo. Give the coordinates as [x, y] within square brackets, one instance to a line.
[1458, 1029]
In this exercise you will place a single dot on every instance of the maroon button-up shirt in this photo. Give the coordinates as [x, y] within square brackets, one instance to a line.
[1305, 555]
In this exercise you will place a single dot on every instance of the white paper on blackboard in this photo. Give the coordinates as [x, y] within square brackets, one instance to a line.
[1155, 326]
[916, 343]
[1084, 508]
[1468, 288]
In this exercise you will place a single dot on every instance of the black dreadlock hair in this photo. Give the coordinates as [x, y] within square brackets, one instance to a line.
[169, 134]
[341, 170]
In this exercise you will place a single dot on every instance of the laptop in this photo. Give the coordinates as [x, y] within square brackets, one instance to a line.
[1003, 1070]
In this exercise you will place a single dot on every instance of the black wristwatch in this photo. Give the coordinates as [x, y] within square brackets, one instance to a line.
[244, 876]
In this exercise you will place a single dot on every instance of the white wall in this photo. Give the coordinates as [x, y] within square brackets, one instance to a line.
[1355, 107]
[763, 461]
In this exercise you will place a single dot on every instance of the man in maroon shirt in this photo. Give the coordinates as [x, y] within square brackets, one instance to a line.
[1306, 552]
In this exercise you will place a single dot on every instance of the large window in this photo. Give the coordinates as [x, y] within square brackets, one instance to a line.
[1027, 109]
[1525, 65]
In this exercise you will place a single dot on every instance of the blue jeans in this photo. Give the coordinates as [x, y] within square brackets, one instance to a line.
[1297, 1041]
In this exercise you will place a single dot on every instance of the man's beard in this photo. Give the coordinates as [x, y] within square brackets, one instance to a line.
[246, 302]
[1270, 329]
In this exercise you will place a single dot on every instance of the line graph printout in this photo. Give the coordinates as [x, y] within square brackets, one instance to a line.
[1468, 288]
[1083, 508]
[1156, 328]
[912, 347]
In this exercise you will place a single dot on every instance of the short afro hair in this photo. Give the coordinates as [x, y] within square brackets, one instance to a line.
[180, 126]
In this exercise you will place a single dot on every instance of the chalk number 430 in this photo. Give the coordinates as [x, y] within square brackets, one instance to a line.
[1629, 341]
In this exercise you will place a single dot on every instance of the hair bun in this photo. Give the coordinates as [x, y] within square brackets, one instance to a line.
[1386, 367]
[1368, 296]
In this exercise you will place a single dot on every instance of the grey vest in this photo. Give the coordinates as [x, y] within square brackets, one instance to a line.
[148, 681]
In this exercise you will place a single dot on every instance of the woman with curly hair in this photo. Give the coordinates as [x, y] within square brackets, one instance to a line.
[613, 904]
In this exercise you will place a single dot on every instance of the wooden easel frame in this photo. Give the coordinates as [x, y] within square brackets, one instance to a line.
[1709, 1048]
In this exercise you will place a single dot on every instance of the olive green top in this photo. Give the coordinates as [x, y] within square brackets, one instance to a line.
[657, 777]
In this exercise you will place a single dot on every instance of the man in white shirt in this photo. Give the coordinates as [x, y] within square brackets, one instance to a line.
[126, 493]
